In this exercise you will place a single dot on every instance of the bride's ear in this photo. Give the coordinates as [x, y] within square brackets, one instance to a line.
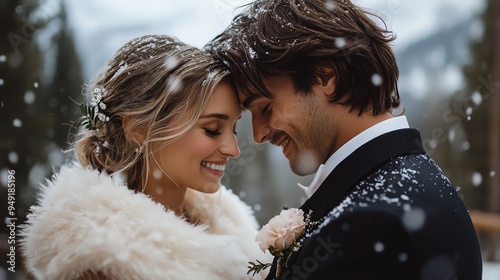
[131, 131]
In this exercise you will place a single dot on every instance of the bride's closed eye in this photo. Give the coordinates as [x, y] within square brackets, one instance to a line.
[216, 132]
[212, 133]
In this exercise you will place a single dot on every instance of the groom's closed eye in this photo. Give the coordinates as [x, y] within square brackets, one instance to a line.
[249, 100]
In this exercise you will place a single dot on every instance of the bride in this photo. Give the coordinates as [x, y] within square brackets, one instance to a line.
[144, 200]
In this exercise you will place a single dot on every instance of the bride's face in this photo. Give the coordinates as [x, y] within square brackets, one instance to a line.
[197, 159]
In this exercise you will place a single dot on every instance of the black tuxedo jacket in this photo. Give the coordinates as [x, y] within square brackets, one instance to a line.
[387, 212]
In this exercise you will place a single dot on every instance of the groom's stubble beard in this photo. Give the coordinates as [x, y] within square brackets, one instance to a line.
[313, 139]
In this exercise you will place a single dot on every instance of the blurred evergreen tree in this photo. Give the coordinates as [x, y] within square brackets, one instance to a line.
[494, 83]
[20, 69]
[478, 108]
[39, 72]
[62, 91]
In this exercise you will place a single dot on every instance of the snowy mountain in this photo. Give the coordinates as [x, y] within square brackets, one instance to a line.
[435, 61]
[432, 67]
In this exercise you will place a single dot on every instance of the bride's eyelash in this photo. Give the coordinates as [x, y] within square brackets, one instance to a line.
[211, 132]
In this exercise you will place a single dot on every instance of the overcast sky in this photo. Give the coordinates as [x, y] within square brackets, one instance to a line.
[101, 27]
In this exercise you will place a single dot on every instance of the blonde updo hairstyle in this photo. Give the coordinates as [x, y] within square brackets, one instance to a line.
[159, 87]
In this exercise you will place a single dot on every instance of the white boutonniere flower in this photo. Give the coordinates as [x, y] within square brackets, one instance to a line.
[281, 237]
[281, 231]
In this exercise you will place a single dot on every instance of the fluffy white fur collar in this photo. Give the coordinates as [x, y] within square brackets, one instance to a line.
[87, 221]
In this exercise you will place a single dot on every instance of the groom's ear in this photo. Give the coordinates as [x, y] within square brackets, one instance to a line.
[327, 80]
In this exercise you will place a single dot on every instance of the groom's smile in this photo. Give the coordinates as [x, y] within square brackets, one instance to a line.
[279, 139]
[284, 143]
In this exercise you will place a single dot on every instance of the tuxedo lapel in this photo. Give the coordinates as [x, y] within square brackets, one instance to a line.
[363, 160]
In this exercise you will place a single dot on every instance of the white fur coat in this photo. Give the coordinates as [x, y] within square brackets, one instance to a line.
[90, 222]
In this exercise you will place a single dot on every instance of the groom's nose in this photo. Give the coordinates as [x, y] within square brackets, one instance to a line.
[261, 129]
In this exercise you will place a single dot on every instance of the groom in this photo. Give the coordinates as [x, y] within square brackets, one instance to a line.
[320, 81]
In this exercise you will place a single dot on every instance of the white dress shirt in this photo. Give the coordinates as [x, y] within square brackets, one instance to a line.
[350, 146]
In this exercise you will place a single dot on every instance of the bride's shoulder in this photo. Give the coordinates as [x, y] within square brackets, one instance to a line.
[73, 182]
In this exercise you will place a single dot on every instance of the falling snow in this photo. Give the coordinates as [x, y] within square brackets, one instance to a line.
[477, 179]
[403, 257]
[4, 176]
[257, 207]
[13, 157]
[3, 58]
[376, 80]
[174, 84]
[433, 143]
[451, 135]
[379, 247]
[469, 110]
[17, 123]
[330, 5]
[414, 219]
[171, 62]
[340, 43]
[157, 174]
[465, 145]
[477, 98]
[159, 191]
[29, 97]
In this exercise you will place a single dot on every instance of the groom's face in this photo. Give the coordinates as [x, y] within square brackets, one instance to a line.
[297, 122]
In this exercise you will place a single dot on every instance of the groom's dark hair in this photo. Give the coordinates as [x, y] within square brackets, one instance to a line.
[302, 39]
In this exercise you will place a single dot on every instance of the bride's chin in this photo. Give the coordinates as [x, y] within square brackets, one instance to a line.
[210, 187]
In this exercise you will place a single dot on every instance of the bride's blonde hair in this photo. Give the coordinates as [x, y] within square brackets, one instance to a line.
[159, 86]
